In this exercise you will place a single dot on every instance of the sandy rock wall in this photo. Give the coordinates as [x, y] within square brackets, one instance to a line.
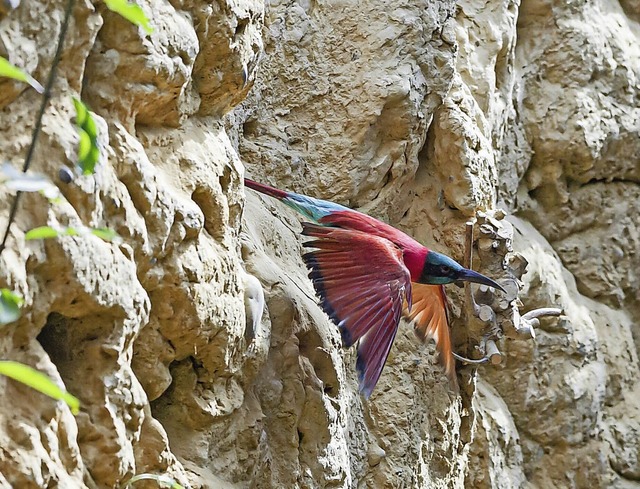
[419, 113]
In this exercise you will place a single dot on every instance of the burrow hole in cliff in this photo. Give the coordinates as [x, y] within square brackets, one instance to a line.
[55, 339]
[250, 128]
[241, 27]
[210, 207]
[311, 347]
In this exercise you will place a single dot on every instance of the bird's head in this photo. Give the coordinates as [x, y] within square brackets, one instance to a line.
[439, 269]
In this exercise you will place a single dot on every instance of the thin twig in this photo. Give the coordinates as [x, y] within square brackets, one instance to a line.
[38, 126]
[468, 245]
[468, 263]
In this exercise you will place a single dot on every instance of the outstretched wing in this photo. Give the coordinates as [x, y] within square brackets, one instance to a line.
[428, 314]
[362, 282]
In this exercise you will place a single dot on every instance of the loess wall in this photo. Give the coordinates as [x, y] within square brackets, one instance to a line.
[420, 113]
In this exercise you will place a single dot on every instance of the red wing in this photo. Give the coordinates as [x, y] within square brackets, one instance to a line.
[429, 317]
[362, 282]
[350, 219]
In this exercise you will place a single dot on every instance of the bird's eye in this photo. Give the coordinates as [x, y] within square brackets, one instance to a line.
[445, 270]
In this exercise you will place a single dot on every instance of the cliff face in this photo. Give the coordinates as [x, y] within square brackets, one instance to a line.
[418, 113]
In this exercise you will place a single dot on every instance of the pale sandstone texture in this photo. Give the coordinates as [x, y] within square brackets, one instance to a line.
[423, 114]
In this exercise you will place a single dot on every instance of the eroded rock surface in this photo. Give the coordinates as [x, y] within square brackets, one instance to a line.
[419, 114]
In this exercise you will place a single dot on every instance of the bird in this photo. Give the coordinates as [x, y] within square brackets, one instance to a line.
[368, 274]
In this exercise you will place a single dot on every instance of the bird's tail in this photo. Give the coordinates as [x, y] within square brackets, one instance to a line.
[311, 208]
[265, 189]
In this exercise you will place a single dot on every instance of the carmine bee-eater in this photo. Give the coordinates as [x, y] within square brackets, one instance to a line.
[367, 273]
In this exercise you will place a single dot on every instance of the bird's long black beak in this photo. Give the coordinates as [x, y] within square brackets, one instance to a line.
[475, 277]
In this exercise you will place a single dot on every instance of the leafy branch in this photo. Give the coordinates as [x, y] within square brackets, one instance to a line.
[38, 126]
[88, 150]
[88, 155]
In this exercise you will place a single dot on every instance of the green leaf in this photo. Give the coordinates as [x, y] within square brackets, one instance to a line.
[90, 126]
[82, 113]
[84, 146]
[38, 381]
[163, 480]
[88, 164]
[10, 71]
[106, 234]
[88, 151]
[43, 232]
[10, 304]
[130, 11]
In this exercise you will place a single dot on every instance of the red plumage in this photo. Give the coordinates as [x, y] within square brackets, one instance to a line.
[413, 253]
[265, 189]
[362, 292]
